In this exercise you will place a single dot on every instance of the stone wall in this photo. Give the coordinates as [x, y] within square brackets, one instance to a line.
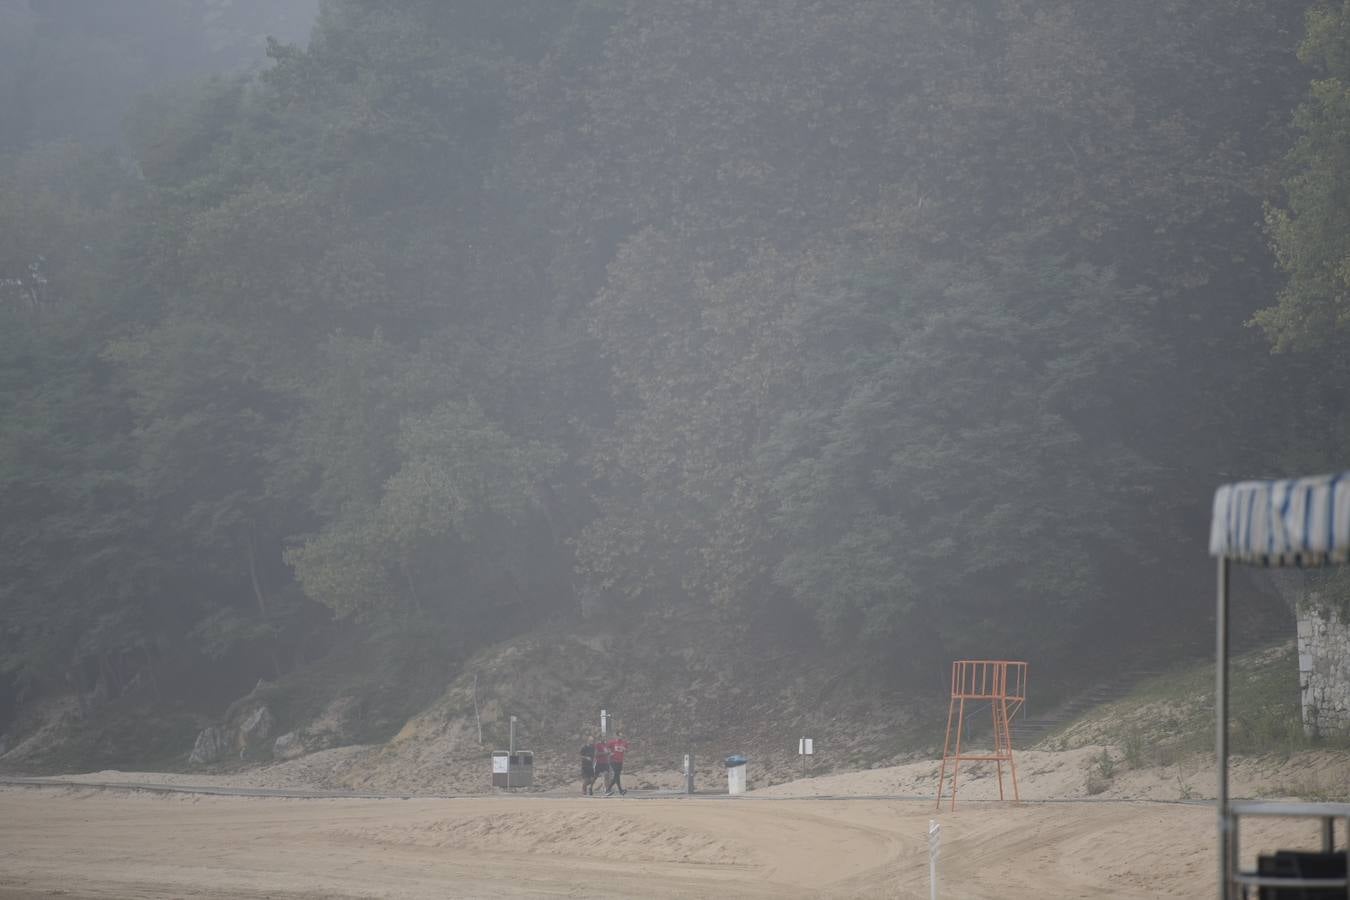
[1324, 669]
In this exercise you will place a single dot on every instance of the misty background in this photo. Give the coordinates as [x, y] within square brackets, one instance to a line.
[341, 341]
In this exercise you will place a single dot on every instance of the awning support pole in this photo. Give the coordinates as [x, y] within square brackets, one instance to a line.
[1221, 724]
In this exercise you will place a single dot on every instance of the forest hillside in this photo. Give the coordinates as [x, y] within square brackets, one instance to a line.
[857, 336]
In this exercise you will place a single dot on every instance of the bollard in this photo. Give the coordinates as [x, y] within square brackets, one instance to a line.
[934, 847]
[689, 773]
[738, 777]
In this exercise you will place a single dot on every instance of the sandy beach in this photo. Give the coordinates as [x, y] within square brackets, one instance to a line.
[87, 842]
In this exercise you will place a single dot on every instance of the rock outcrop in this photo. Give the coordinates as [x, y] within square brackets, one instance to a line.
[247, 733]
[211, 746]
[288, 746]
[255, 732]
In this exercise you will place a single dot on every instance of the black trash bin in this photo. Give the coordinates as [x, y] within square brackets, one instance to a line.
[512, 770]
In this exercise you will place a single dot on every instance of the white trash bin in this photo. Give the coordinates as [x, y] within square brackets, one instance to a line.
[738, 776]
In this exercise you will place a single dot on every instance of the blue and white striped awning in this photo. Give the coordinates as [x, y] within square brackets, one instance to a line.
[1295, 522]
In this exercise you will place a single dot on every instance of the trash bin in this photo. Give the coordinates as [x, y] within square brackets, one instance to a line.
[512, 770]
[738, 778]
[522, 769]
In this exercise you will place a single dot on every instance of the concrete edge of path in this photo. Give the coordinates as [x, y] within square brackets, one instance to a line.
[310, 794]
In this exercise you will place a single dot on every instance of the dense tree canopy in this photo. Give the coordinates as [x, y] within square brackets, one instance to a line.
[924, 322]
[1312, 232]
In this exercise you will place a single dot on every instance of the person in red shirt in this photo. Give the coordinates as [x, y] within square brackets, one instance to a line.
[617, 748]
[601, 763]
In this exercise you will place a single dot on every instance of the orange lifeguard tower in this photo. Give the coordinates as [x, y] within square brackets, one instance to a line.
[1001, 682]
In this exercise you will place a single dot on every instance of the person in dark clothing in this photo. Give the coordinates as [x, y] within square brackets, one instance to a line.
[588, 766]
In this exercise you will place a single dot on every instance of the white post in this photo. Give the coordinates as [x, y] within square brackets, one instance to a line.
[1221, 628]
[934, 841]
[477, 717]
[510, 752]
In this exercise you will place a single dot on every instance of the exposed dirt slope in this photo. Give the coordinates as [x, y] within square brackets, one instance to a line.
[674, 690]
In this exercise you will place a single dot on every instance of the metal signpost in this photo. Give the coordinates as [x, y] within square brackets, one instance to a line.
[805, 748]
[511, 751]
[934, 844]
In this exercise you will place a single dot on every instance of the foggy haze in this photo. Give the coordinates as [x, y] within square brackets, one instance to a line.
[758, 337]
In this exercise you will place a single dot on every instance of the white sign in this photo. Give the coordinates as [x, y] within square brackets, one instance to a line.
[500, 765]
[805, 747]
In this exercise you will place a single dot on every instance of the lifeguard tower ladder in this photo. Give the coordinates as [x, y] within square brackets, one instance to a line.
[1003, 684]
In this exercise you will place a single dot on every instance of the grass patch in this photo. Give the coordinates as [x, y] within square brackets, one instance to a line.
[1100, 775]
[1169, 717]
[1310, 788]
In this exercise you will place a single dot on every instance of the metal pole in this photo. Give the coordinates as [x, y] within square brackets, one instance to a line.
[510, 752]
[956, 760]
[1221, 724]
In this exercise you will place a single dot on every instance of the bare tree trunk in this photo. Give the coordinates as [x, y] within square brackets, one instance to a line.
[412, 588]
[301, 645]
[476, 714]
[109, 676]
[81, 683]
[150, 671]
[546, 501]
[119, 669]
[253, 572]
